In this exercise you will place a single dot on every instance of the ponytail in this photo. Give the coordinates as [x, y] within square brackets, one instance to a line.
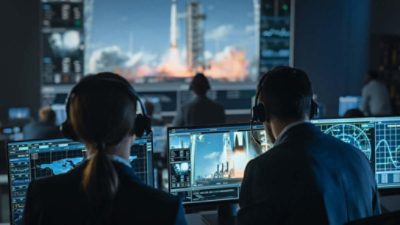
[100, 182]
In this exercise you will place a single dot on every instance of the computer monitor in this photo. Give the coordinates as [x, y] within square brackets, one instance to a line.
[37, 159]
[359, 132]
[387, 152]
[13, 133]
[19, 113]
[207, 164]
[377, 137]
[347, 103]
[61, 114]
[159, 138]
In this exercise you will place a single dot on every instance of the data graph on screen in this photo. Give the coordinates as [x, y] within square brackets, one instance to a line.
[357, 133]
[388, 153]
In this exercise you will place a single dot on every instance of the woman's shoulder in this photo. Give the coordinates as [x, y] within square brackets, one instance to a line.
[137, 190]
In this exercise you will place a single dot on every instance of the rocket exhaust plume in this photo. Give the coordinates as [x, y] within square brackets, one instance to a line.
[173, 28]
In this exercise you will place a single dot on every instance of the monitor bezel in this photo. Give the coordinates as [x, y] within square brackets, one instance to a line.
[196, 206]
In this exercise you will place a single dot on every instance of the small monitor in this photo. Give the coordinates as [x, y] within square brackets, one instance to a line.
[159, 138]
[33, 160]
[19, 113]
[347, 103]
[60, 111]
[13, 133]
[207, 164]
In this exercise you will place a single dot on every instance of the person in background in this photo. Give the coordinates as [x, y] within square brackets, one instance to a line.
[307, 177]
[375, 97]
[149, 106]
[103, 189]
[353, 113]
[201, 110]
[45, 128]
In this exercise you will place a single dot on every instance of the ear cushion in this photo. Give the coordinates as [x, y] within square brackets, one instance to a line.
[68, 131]
[313, 109]
[142, 125]
[259, 114]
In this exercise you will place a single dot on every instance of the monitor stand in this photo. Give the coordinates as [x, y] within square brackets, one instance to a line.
[226, 215]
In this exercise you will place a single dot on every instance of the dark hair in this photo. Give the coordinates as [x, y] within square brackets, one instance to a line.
[353, 113]
[101, 117]
[149, 108]
[200, 84]
[372, 74]
[286, 93]
[47, 115]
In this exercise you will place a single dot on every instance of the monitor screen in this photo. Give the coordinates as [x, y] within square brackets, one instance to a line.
[19, 113]
[387, 152]
[347, 103]
[378, 138]
[60, 111]
[13, 133]
[191, 36]
[359, 132]
[207, 164]
[33, 160]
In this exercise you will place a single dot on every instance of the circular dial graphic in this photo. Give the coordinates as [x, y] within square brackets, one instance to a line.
[353, 135]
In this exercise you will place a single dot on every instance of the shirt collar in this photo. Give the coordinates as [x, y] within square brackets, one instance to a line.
[117, 158]
[286, 129]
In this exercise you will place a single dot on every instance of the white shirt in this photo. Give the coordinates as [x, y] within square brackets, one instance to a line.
[375, 99]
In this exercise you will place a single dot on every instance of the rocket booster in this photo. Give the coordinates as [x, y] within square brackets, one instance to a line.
[173, 28]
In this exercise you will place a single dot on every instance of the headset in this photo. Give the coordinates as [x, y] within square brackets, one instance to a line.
[260, 114]
[142, 122]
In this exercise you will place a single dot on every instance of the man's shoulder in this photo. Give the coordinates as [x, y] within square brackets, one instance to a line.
[272, 157]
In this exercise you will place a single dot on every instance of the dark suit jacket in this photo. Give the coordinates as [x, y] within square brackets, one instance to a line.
[61, 200]
[308, 177]
[200, 111]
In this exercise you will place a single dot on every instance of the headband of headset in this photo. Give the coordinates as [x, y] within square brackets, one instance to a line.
[260, 113]
[142, 123]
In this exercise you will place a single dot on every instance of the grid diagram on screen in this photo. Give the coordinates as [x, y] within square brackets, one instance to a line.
[387, 162]
[358, 134]
[47, 164]
[140, 163]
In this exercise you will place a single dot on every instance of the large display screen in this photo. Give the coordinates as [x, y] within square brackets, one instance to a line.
[170, 40]
[62, 41]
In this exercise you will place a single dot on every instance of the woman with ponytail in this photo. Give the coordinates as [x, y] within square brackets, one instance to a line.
[103, 190]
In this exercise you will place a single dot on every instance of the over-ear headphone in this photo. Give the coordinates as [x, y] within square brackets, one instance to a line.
[261, 114]
[142, 122]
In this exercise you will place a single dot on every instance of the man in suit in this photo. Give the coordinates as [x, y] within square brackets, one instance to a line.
[201, 110]
[307, 177]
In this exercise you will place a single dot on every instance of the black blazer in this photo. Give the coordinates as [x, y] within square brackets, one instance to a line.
[61, 200]
[200, 111]
[308, 177]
